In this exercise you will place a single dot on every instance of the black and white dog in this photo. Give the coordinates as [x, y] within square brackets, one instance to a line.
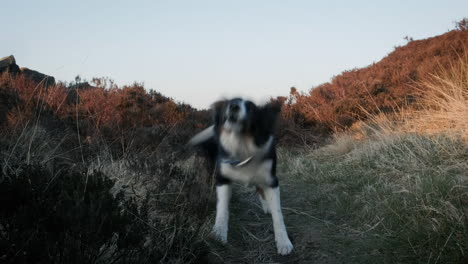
[241, 146]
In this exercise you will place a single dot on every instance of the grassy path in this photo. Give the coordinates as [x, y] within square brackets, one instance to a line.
[251, 238]
[398, 200]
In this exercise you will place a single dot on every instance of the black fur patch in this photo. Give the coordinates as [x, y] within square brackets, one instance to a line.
[219, 109]
[263, 122]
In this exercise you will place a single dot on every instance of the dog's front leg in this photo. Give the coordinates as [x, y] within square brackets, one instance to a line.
[220, 229]
[283, 244]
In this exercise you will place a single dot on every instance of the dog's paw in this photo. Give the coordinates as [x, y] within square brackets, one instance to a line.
[220, 233]
[265, 207]
[284, 246]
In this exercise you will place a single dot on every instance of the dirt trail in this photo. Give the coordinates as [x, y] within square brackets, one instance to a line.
[251, 238]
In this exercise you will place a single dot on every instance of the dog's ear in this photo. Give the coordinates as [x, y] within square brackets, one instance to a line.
[265, 122]
[271, 112]
[218, 109]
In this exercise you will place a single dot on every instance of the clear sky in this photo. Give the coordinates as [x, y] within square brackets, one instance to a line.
[198, 51]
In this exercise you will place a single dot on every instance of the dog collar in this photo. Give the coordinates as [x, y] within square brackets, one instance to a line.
[237, 163]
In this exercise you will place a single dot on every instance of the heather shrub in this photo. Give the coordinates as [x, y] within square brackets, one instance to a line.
[382, 87]
[65, 216]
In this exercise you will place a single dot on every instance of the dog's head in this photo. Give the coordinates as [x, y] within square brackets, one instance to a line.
[233, 115]
[243, 116]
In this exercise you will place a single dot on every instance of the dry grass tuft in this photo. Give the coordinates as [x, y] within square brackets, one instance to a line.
[442, 108]
[398, 182]
[445, 102]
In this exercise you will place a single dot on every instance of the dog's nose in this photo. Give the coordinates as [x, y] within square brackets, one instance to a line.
[234, 108]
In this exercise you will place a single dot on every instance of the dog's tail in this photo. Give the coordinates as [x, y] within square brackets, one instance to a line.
[206, 140]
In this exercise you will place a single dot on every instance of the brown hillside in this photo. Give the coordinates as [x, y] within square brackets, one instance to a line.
[381, 87]
[122, 117]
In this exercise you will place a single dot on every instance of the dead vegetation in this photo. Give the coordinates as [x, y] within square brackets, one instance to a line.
[389, 190]
[382, 87]
[397, 182]
[392, 189]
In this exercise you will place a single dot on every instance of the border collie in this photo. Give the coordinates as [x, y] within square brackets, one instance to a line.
[241, 148]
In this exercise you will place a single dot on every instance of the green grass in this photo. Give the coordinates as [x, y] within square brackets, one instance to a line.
[404, 197]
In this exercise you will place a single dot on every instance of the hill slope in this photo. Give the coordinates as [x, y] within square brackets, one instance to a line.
[381, 87]
[392, 189]
[389, 197]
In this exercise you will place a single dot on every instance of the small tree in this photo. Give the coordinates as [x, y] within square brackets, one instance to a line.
[462, 25]
[408, 39]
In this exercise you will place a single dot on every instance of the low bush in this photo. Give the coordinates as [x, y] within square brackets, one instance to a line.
[65, 216]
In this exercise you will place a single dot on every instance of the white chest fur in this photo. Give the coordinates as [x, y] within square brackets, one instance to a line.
[255, 172]
[238, 146]
[241, 147]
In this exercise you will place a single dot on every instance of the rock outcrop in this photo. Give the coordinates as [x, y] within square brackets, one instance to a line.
[37, 76]
[8, 64]
[80, 86]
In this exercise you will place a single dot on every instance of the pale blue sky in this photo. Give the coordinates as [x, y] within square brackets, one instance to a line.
[198, 51]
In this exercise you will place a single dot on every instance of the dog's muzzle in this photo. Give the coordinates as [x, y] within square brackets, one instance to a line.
[233, 112]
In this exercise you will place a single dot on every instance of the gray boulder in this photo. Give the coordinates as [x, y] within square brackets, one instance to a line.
[37, 76]
[80, 86]
[8, 64]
